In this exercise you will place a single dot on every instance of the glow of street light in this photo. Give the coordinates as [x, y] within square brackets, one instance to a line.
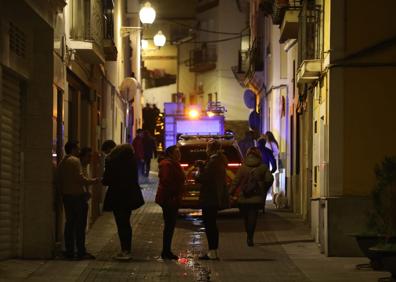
[159, 39]
[147, 14]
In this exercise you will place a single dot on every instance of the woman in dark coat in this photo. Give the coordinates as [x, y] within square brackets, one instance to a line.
[121, 175]
[213, 181]
[169, 193]
[249, 205]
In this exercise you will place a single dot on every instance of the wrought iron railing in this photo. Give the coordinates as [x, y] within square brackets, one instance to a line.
[202, 58]
[309, 35]
[87, 20]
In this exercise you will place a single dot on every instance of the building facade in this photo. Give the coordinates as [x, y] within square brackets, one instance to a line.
[327, 100]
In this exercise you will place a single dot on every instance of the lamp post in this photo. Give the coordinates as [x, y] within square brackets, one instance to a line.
[159, 39]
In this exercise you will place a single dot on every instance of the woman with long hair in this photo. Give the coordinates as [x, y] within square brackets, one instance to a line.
[169, 193]
[272, 144]
[252, 173]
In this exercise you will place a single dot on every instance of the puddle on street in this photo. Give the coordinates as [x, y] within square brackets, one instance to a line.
[189, 258]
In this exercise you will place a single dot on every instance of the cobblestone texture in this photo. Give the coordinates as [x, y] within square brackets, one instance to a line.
[284, 251]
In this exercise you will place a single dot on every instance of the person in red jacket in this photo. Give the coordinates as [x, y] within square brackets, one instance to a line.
[139, 150]
[169, 193]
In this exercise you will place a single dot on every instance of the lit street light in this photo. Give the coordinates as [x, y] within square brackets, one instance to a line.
[159, 39]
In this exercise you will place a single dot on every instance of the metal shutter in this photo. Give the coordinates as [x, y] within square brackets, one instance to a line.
[10, 121]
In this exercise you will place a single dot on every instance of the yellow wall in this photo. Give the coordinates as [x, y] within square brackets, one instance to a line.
[370, 127]
[368, 94]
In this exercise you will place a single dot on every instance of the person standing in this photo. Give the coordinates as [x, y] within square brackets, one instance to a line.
[267, 155]
[272, 144]
[169, 193]
[121, 176]
[213, 180]
[250, 203]
[247, 142]
[139, 150]
[71, 181]
[150, 151]
[267, 159]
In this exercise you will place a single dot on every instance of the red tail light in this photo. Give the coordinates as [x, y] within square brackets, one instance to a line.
[184, 165]
[234, 164]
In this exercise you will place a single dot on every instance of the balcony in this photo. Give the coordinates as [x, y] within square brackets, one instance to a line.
[86, 31]
[203, 59]
[309, 71]
[309, 34]
[250, 61]
[289, 26]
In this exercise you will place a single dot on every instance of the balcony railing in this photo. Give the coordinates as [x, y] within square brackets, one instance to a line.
[203, 59]
[309, 35]
[249, 61]
[87, 21]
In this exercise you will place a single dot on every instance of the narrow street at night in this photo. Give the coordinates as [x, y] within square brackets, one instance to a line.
[140, 140]
[283, 251]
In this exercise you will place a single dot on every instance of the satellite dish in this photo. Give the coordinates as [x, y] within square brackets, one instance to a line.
[128, 88]
[249, 97]
[254, 120]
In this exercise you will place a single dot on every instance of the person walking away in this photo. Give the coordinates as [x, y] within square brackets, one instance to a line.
[254, 179]
[150, 151]
[121, 176]
[213, 180]
[169, 193]
[85, 159]
[139, 150]
[247, 142]
[71, 181]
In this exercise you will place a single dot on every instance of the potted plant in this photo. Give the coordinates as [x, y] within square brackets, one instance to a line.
[381, 227]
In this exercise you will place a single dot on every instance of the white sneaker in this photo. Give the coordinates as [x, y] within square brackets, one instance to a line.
[123, 256]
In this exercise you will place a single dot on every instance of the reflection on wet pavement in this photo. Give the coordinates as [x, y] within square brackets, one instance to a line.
[189, 258]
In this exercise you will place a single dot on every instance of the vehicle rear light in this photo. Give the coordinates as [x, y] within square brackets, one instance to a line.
[234, 164]
[184, 165]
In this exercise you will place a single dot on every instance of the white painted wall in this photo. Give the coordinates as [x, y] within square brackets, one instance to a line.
[227, 18]
[159, 95]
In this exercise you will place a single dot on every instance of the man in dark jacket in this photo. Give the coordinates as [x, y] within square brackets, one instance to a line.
[247, 142]
[150, 151]
[213, 181]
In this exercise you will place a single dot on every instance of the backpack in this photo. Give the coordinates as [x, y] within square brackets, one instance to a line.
[251, 186]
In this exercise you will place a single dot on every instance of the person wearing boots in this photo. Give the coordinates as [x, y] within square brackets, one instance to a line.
[213, 181]
[250, 203]
[169, 193]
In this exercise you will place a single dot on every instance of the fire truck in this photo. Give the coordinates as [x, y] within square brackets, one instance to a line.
[179, 120]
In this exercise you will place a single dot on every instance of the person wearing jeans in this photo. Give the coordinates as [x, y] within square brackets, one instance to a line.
[71, 182]
[169, 193]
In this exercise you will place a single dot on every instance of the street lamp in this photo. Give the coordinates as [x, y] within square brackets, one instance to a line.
[147, 14]
[159, 39]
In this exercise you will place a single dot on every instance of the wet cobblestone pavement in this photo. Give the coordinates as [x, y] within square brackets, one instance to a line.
[283, 251]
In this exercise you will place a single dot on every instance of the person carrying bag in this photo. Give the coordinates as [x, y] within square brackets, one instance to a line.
[253, 179]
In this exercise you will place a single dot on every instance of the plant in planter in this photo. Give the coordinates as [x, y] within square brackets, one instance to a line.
[384, 216]
[381, 227]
